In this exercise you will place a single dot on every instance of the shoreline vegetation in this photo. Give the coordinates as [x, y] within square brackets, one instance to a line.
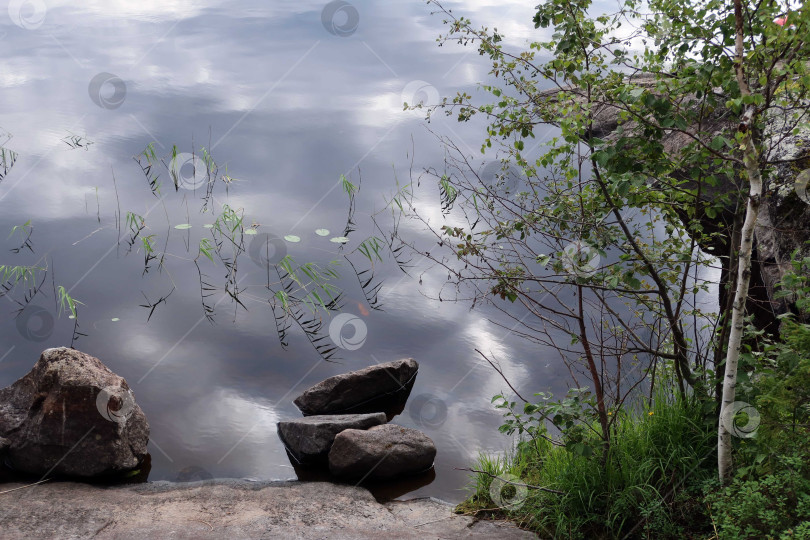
[658, 479]
[679, 150]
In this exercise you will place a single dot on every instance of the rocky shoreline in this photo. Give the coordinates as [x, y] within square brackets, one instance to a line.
[71, 417]
[230, 509]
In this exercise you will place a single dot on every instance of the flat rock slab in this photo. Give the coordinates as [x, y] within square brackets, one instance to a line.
[230, 509]
[381, 452]
[380, 388]
[309, 439]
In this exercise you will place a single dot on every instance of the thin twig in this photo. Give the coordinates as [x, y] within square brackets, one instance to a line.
[23, 487]
[500, 372]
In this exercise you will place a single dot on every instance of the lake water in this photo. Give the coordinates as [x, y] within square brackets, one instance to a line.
[289, 95]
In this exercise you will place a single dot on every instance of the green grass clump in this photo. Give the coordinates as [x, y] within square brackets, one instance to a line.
[649, 480]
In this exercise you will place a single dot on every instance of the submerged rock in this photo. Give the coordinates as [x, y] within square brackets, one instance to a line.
[381, 452]
[70, 415]
[380, 388]
[309, 439]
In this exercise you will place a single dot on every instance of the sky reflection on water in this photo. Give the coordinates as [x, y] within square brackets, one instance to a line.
[289, 107]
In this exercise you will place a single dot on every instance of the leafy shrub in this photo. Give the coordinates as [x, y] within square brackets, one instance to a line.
[771, 506]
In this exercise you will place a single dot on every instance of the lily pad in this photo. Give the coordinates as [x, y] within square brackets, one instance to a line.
[322, 232]
[292, 238]
[251, 232]
[183, 226]
[209, 226]
[339, 239]
[115, 319]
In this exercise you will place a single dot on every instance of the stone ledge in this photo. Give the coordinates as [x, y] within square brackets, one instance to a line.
[232, 509]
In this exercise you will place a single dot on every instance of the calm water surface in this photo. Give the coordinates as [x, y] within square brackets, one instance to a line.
[289, 106]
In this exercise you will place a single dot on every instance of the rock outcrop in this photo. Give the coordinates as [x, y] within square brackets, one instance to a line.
[309, 439]
[381, 388]
[70, 415]
[783, 224]
[380, 453]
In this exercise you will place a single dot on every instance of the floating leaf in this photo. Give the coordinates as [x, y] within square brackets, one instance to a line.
[339, 239]
[115, 319]
[322, 232]
[183, 226]
[292, 238]
[251, 232]
[209, 225]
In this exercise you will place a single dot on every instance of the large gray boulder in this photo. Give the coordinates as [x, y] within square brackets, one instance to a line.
[309, 439]
[380, 388]
[380, 453]
[70, 415]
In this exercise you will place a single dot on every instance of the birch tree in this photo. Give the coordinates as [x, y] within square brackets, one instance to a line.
[674, 119]
[786, 65]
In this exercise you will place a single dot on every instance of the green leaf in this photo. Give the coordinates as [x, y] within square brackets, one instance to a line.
[292, 238]
[205, 248]
[183, 226]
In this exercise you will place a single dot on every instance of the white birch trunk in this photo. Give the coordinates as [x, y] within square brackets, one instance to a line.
[751, 163]
[738, 310]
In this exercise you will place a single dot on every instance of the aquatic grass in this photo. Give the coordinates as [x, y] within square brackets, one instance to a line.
[67, 302]
[206, 247]
[146, 160]
[7, 160]
[25, 231]
[12, 276]
[299, 294]
[77, 141]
